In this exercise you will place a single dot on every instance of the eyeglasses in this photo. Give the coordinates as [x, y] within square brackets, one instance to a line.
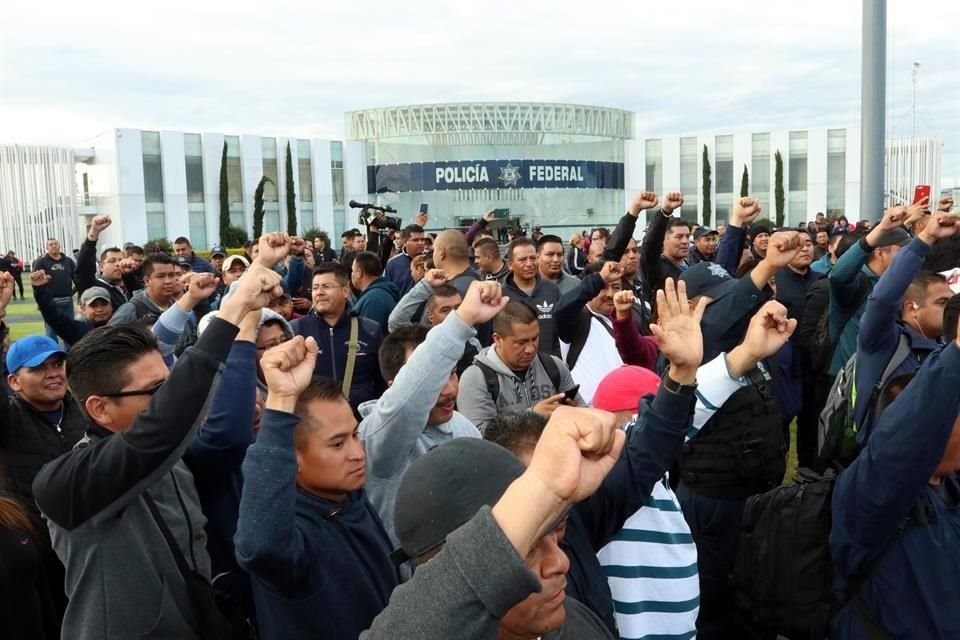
[133, 392]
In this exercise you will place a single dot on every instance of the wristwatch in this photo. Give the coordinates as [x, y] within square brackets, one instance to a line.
[673, 386]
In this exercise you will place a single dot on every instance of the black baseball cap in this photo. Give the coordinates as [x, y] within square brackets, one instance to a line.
[183, 261]
[446, 487]
[707, 279]
[218, 250]
[757, 229]
[704, 231]
[898, 236]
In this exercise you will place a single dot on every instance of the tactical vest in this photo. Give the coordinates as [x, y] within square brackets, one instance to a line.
[741, 451]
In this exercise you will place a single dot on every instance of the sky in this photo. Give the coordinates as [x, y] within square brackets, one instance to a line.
[70, 70]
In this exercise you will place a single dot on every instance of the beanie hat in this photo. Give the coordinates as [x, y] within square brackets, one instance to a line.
[622, 388]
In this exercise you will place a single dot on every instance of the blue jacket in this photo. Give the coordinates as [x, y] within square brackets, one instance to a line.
[320, 569]
[845, 284]
[333, 342]
[880, 330]
[398, 272]
[199, 265]
[377, 301]
[730, 249]
[912, 592]
[218, 449]
[822, 265]
[725, 320]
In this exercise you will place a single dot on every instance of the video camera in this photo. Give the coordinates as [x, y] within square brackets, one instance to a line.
[372, 215]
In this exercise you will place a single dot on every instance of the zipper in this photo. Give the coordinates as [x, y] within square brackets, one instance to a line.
[333, 356]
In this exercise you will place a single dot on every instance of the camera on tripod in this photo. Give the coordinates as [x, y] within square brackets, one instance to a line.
[372, 215]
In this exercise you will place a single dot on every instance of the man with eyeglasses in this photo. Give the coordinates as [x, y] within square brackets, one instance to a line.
[38, 422]
[348, 343]
[122, 507]
[161, 285]
[116, 272]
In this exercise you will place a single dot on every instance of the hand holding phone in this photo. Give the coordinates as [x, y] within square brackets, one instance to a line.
[571, 393]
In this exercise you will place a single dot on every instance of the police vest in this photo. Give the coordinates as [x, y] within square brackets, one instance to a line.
[741, 451]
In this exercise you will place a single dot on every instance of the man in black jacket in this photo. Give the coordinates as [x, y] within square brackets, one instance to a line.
[104, 502]
[111, 266]
[666, 243]
[95, 307]
[61, 270]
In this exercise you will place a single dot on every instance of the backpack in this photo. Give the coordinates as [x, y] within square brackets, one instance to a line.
[492, 378]
[838, 430]
[822, 346]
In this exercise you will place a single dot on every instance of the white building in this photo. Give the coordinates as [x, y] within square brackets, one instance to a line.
[561, 167]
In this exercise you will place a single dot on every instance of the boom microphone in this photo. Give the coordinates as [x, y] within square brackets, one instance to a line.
[359, 205]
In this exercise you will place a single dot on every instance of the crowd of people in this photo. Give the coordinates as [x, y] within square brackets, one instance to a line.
[430, 436]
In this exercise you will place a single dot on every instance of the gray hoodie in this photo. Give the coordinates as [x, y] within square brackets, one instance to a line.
[127, 312]
[516, 393]
[394, 427]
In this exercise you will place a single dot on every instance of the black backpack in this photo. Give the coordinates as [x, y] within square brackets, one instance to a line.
[820, 345]
[492, 379]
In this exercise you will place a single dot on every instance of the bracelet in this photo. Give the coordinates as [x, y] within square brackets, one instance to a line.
[677, 388]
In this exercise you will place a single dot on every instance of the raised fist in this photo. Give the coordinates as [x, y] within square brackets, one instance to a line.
[39, 278]
[644, 200]
[97, 225]
[745, 211]
[623, 302]
[435, 277]
[611, 273]
[671, 202]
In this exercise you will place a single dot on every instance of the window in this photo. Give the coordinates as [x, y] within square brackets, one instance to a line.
[797, 200]
[336, 170]
[689, 170]
[760, 170]
[654, 165]
[271, 200]
[724, 165]
[305, 171]
[836, 171]
[153, 185]
[235, 182]
[193, 154]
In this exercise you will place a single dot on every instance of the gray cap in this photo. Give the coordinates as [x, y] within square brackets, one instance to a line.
[897, 236]
[94, 293]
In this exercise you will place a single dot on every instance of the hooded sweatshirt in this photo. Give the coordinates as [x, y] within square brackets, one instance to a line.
[542, 300]
[394, 428]
[128, 312]
[377, 301]
[518, 392]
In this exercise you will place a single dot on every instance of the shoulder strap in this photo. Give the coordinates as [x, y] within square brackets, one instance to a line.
[553, 371]
[142, 309]
[580, 334]
[178, 556]
[352, 348]
[491, 379]
[904, 350]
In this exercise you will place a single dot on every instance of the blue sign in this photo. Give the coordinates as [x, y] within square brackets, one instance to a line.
[494, 174]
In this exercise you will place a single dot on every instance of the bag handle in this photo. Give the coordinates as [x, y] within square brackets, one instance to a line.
[352, 347]
[178, 556]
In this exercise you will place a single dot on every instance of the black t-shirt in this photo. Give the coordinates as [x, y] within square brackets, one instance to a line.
[60, 272]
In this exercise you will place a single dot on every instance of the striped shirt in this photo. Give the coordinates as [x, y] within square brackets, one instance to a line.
[651, 564]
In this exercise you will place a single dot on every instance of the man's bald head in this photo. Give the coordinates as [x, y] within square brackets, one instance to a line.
[452, 244]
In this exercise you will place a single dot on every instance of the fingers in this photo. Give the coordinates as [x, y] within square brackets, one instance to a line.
[701, 308]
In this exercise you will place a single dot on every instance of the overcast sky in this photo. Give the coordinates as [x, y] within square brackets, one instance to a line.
[69, 70]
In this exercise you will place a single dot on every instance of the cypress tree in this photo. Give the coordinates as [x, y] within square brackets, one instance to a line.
[258, 207]
[778, 187]
[291, 197]
[224, 196]
[744, 183]
[707, 207]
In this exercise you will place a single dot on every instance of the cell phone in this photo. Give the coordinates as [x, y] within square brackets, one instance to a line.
[501, 213]
[922, 191]
[423, 207]
[572, 392]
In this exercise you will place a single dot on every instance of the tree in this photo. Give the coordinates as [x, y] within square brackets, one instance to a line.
[778, 187]
[291, 197]
[224, 195]
[258, 207]
[707, 207]
[744, 183]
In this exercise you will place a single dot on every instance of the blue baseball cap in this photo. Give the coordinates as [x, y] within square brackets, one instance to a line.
[32, 351]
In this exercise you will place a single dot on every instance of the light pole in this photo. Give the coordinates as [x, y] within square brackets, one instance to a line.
[873, 90]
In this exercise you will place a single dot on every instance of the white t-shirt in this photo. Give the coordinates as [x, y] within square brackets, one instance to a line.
[598, 357]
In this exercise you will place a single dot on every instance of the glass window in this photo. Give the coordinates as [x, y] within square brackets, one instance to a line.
[760, 170]
[270, 193]
[153, 185]
[194, 166]
[797, 180]
[235, 182]
[689, 176]
[836, 171]
[304, 169]
[336, 170]
[724, 165]
[654, 165]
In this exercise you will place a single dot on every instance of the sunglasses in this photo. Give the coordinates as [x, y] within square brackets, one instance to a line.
[133, 392]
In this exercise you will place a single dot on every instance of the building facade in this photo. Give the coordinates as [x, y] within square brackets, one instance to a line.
[557, 166]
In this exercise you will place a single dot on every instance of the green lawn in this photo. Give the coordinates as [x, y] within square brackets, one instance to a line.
[23, 318]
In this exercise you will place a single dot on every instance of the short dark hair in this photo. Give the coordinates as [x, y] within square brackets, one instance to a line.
[409, 230]
[97, 363]
[514, 312]
[487, 246]
[951, 315]
[944, 255]
[675, 222]
[338, 270]
[154, 259]
[323, 236]
[603, 231]
[326, 389]
[594, 267]
[444, 290]
[103, 254]
[847, 241]
[547, 239]
[183, 240]
[917, 291]
[518, 432]
[133, 250]
[369, 263]
[393, 350]
[522, 241]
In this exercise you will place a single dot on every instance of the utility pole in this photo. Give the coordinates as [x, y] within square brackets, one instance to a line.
[873, 91]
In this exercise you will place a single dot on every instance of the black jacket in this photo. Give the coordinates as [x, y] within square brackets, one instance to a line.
[656, 268]
[86, 276]
[543, 301]
[66, 327]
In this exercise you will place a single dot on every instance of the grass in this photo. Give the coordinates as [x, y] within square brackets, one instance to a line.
[23, 318]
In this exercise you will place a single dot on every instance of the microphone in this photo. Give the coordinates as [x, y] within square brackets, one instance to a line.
[359, 205]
